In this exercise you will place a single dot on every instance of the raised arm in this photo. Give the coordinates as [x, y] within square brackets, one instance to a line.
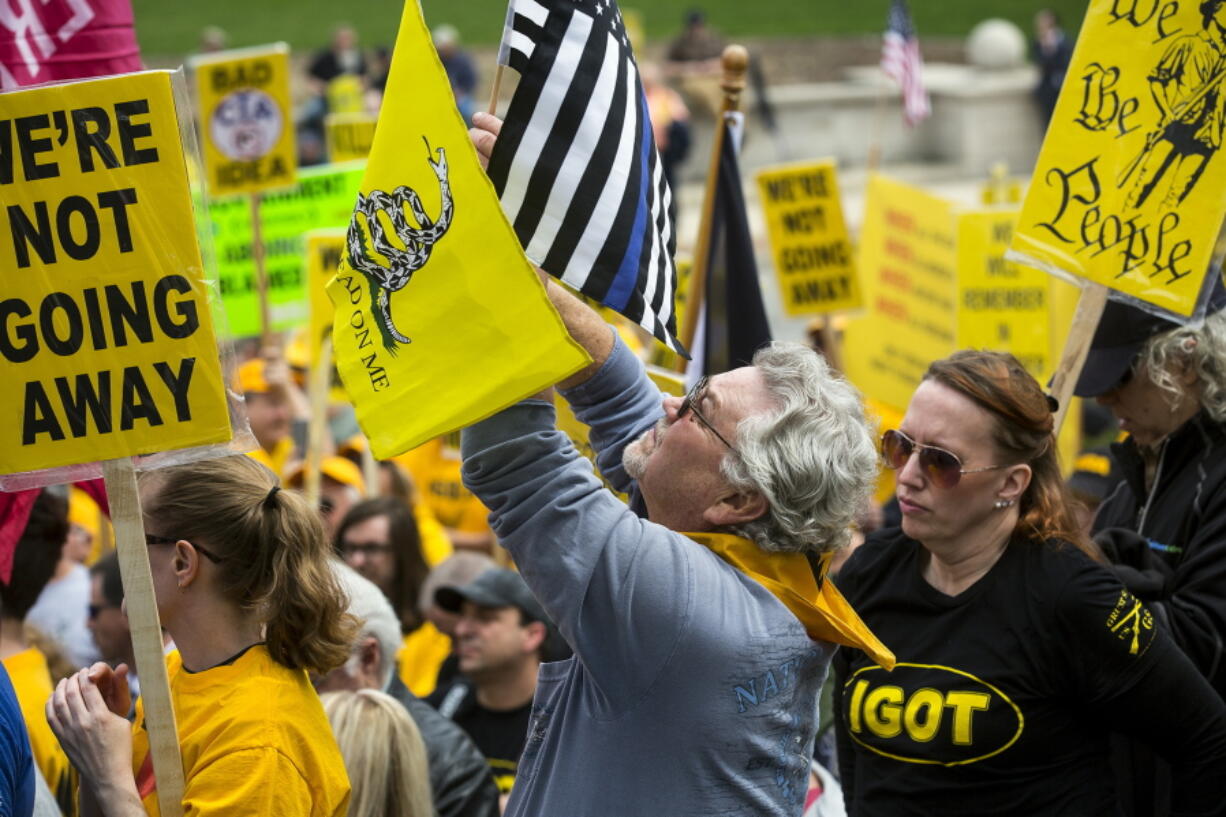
[605, 577]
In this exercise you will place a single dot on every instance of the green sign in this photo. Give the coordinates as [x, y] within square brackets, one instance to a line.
[324, 197]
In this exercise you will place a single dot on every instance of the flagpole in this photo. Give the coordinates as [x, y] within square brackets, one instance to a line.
[493, 106]
[735, 61]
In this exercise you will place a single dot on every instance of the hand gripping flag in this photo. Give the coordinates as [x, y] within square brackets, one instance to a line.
[576, 166]
[440, 320]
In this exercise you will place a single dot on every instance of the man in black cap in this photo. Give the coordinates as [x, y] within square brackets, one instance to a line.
[501, 638]
[1164, 525]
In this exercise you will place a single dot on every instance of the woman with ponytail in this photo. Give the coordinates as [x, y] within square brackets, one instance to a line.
[1018, 652]
[243, 586]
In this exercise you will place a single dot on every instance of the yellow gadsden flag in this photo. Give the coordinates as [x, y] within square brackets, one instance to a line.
[440, 319]
[1129, 191]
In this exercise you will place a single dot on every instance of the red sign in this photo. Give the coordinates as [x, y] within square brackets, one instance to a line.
[48, 40]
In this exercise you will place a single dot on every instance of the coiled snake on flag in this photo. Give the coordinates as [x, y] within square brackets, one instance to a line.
[418, 241]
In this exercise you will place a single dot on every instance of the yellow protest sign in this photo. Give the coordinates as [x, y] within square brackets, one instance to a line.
[1012, 308]
[346, 94]
[349, 135]
[909, 268]
[1128, 191]
[1002, 305]
[324, 250]
[246, 119]
[440, 319]
[812, 253]
[107, 347]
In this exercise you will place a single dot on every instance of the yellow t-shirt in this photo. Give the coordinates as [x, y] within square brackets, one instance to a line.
[278, 459]
[435, 545]
[435, 467]
[32, 683]
[423, 653]
[254, 740]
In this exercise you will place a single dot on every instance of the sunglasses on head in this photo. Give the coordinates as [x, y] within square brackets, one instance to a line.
[941, 466]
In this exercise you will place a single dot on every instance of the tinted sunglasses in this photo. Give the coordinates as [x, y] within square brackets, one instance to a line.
[941, 466]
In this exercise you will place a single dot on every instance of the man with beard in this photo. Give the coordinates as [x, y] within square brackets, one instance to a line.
[702, 633]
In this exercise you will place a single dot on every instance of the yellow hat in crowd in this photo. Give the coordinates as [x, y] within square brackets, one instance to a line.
[354, 447]
[337, 469]
[250, 377]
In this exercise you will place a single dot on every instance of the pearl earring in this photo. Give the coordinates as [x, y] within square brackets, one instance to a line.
[1002, 503]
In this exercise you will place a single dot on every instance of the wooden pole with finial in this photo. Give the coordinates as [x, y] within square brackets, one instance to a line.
[735, 60]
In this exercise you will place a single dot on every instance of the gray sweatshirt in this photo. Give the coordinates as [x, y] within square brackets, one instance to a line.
[692, 690]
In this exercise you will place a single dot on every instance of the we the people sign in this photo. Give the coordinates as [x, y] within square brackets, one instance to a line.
[1129, 191]
[106, 339]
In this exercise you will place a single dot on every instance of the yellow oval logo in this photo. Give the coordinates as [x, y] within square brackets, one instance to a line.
[927, 713]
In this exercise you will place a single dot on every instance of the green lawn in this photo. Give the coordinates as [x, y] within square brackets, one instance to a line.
[169, 28]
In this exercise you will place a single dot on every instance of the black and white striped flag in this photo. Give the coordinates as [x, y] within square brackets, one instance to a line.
[575, 165]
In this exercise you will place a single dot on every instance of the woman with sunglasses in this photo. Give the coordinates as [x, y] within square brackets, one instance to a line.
[243, 585]
[1017, 651]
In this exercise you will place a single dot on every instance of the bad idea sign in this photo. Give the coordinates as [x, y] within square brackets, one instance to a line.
[246, 120]
[106, 338]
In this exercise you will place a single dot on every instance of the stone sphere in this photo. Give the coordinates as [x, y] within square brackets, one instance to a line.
[996, 44]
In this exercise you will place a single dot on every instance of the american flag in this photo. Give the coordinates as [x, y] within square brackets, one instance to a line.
[576, 166]
[901, 60]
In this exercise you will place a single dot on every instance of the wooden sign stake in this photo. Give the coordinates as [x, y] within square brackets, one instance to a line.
[321, 382]
[146, 630]
[370, 471]
[1090, 308]
[261, 273]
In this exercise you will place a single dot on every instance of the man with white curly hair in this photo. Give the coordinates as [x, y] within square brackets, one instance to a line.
[702, 633]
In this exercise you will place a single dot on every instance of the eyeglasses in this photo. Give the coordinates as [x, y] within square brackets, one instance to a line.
[942, 467]
[366, 549]
[688, 404]
[150, 539]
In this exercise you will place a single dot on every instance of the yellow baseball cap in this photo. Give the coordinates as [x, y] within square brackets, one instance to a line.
[250, 377]
[337, 469]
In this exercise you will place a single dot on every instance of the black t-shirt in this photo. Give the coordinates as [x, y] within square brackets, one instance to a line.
[499, 735]
[1003, 696]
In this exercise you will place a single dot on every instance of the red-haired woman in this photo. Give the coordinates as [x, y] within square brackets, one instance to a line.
[1017, 652]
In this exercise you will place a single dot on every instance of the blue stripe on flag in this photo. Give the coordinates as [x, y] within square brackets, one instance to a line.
[627, 277]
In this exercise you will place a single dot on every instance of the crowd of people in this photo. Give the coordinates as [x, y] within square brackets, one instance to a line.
[482, 626]
[376, 652]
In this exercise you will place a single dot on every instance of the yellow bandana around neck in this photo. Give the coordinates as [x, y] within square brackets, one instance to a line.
[823, 611]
